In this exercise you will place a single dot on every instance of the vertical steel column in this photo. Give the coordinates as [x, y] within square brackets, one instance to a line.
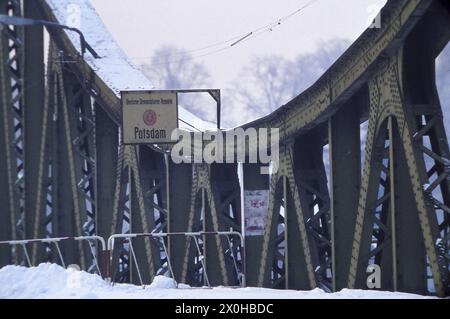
[7, 226]
[345, 180]
[411, 255]
[286, 212]
[12, 126]
[64, 212]
[34, 96]
[392, 203]
[206, 245]
[107, 148]
[180, 179]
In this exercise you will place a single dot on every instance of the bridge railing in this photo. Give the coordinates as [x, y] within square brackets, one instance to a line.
[240, 271]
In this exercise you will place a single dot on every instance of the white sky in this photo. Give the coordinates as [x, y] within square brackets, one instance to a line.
[142, 26]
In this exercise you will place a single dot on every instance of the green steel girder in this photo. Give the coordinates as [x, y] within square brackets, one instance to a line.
[345, 180]
[286, 256]
[35, 121]
[128, 212]
[394, 93]
[12, 163]
[312, 182]
[214, 206]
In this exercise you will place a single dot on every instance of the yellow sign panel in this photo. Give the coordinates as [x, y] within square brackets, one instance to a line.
[149, 117]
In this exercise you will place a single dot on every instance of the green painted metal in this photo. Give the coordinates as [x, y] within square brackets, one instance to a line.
[345, 180]
[180, 181]
[79, 179]
[34, 99]
[410, 245]
[311, 181]
[7, 230]
[107, 143]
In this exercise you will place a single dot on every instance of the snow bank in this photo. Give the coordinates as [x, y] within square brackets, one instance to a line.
[53, 281]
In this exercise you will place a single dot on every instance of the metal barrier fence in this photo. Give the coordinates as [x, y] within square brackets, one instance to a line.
[241, 274]
[23, 243]
[106, 252]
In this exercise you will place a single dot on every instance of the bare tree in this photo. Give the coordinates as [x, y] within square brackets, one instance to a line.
[310, 67]
[263, 85]
[172, 68]
[271, 81]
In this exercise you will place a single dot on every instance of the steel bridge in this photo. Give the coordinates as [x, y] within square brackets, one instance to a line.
[64, 170]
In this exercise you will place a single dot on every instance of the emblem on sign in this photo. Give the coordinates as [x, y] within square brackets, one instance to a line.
[150, 117]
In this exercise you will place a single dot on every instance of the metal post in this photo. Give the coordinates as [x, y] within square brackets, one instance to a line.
[331, 172]
[392, 194]
[203, 213]
[169, 265]
[167, 163]
[234, 259]
[202, 260]
[26, 254]
[286, 238]
[60, 254]
[135, 262]
[130, 201]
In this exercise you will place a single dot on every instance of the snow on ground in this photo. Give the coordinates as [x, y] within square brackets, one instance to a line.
[53, 281]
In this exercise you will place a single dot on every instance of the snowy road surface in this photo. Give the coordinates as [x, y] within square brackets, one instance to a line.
[53, 281]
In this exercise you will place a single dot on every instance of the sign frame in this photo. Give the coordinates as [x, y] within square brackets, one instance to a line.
[147, 91]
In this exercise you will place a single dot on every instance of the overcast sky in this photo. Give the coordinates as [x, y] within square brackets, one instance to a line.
[142, 26]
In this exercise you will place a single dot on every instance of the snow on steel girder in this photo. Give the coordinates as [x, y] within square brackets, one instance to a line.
[114, 68]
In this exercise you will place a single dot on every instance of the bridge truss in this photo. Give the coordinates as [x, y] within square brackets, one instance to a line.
[66, 172]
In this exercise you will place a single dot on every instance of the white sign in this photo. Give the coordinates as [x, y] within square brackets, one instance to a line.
[149, 117]
[256, 206]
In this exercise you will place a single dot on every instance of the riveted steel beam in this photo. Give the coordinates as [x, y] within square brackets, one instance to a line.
[152, 172]
[345, 180]
[129, 210]
[35, 122]
[313, 191]
[12, 167]
[7, 198]
[411, 256]
[213, 207]
[180, 181]
[273, 271]
[226, 192]
[402, 84]
[107, 144]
